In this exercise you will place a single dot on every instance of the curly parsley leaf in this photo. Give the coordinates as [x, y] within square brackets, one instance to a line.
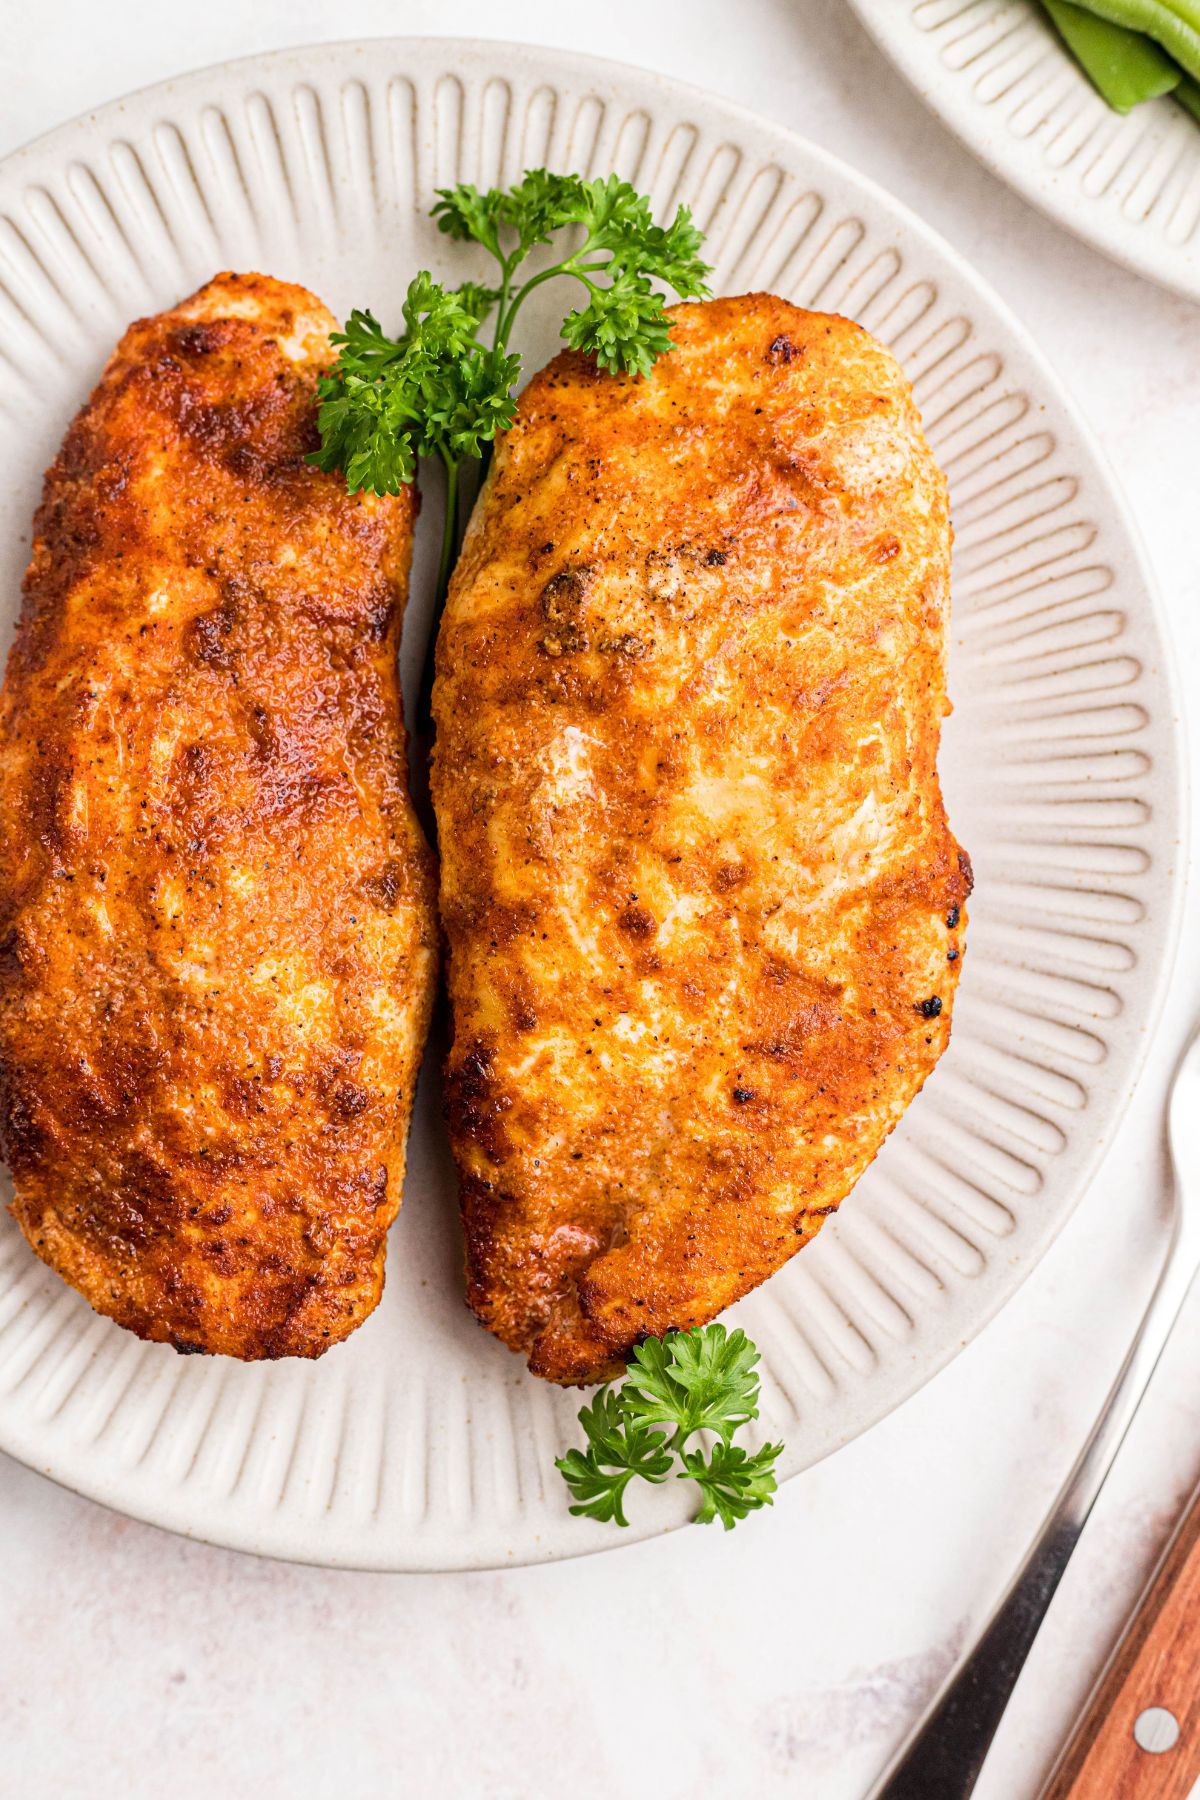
[529, 212]
[733, 1484]
[470, 402]
[618, 219]
[623, 328]
[541, 204]
[476, 299]
[364, 346]
[465, 214]
[696, 1381]
[434, 390]
[619, 1450]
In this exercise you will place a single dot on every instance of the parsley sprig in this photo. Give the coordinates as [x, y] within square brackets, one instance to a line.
[436, 390]
[691, 1381]
[433, 391]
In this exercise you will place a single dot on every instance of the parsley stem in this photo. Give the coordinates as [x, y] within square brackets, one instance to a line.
[500, 342]
[504, 329]
[501, 303]
[446, 561]
[449, 531]
[570, 266]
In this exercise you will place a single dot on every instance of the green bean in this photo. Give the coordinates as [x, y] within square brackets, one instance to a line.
[1173, 24]
[1188, 94]
[1123, 66]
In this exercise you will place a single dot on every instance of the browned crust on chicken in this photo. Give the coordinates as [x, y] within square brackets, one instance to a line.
[217, 944]
[704, 912]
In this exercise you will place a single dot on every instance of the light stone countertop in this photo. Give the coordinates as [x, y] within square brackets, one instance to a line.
[787, 1658]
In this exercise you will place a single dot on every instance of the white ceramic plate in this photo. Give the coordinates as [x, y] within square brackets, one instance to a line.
[421, 1443]
[996, 72]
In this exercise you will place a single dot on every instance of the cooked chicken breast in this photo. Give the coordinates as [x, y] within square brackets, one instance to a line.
[217, 944]
[703, 908]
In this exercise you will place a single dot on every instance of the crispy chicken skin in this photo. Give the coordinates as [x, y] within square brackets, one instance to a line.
[217, 942]
[703, 909]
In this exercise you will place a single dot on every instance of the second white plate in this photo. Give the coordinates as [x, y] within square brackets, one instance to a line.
[421, 1443]
[996, 72]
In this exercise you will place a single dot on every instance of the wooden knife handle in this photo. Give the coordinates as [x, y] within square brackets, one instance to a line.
[1156, 1665]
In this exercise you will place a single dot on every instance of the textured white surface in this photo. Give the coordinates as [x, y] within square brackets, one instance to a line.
[788, 1657]
[999, 75]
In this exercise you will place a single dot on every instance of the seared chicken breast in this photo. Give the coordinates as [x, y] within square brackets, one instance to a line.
[703, 908]
[217, 941]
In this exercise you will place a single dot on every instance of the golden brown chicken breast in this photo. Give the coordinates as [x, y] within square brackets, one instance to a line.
[704, 912]
[217, 945]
